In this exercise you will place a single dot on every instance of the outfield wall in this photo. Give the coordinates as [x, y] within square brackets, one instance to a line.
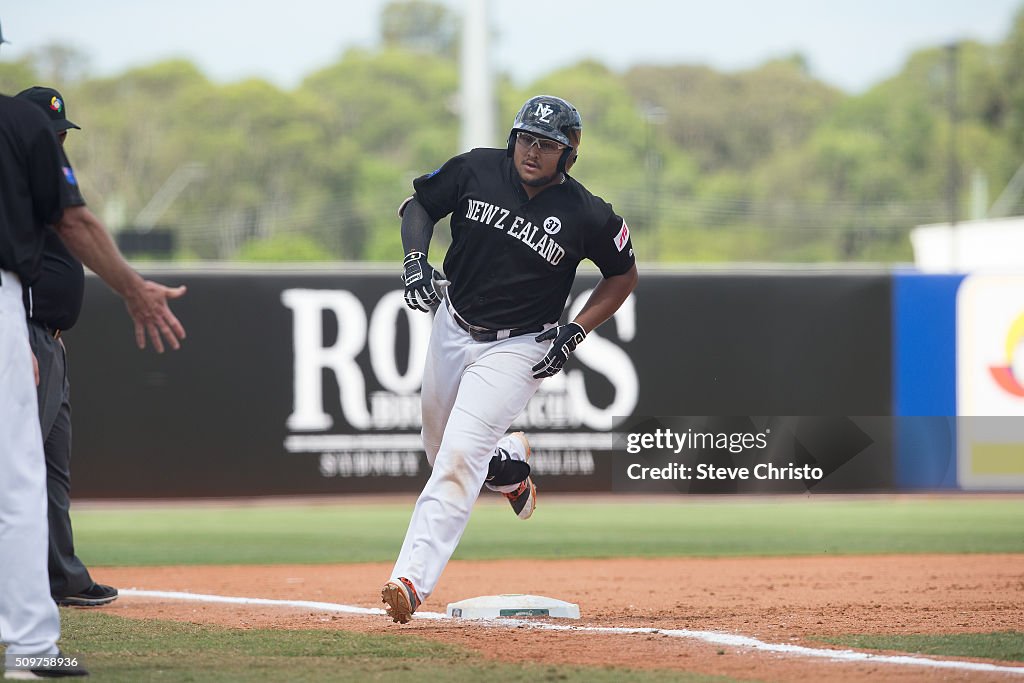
[307, 381]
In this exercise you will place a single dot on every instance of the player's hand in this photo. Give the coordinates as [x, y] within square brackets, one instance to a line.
[564, 340]
[153, 316]
[419, 278]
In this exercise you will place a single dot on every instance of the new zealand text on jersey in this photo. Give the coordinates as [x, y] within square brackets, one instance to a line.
[520, 228]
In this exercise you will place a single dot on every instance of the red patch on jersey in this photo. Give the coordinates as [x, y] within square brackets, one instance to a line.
[622, 238]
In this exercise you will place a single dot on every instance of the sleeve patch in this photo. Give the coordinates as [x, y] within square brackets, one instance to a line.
[622, 238]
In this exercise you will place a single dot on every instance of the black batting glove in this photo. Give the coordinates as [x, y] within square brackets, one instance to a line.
[564, 340]
[419, 276]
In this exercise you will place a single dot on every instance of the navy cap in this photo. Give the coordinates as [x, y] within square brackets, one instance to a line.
[52, 103]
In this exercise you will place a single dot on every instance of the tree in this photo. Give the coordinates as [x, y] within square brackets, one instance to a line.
[762, 164]
[389, 117]
[283, 248]
[419, 26]
[60, 63]
[1012, 73]
[16, 76]
[734, 120]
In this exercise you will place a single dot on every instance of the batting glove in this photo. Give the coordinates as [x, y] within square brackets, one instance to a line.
[420, 293]
[564, 340]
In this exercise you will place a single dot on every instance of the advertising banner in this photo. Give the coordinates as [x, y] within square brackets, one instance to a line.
[990, 382]
[307, 382]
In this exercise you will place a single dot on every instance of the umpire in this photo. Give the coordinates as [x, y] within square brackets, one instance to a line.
[38, 187]
[53, 303]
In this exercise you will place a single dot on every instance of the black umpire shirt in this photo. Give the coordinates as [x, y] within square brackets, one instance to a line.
[36, 184]
[55, 299]
[513, 259]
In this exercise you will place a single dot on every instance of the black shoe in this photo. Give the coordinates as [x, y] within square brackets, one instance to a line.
[62, 667]
[93, 596]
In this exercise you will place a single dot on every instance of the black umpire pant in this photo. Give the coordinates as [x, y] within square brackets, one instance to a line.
[68, 575]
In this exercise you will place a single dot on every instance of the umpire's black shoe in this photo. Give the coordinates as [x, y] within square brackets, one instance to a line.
[93, 596]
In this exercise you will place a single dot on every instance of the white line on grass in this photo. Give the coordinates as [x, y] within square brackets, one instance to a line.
[710, 637]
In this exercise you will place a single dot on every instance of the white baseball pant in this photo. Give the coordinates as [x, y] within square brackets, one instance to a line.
[471, 393]
[29, 621]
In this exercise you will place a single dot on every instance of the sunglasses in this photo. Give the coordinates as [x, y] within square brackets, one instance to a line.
[543, 144]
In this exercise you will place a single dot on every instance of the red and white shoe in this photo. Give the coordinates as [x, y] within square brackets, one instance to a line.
[401, 599]
[524, 498]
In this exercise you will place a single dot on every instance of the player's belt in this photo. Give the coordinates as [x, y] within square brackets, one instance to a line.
[483, 334]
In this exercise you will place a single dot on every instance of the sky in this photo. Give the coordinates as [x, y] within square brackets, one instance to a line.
[852, 45]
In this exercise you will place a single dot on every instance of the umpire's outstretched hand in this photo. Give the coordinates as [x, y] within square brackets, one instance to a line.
[88, 240]
[564, 340]
[152, 315]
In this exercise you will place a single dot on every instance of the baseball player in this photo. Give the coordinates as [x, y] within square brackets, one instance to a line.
[520, 226]
[38, 188]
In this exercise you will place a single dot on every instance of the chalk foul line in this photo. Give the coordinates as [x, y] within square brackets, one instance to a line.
[709, 637]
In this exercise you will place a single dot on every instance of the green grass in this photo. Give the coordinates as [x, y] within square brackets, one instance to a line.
[118, 650]
[1003, 645]
[360, 532]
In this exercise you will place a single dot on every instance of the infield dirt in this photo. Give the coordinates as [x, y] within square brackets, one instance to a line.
[777, 600]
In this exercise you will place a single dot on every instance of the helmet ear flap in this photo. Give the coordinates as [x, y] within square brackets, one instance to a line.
[511, 143]
[567, 154]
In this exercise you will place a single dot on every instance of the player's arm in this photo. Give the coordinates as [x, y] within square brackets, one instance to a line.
[87, 238]
[612, 251]
[418, 275]
[417, 226]
[606, 299]
[614, 255]
[59, 203]
[602, 304]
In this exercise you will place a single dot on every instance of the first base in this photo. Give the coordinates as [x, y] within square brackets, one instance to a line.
[492, 606]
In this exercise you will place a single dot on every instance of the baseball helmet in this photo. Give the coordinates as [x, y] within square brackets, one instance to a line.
[550, 117]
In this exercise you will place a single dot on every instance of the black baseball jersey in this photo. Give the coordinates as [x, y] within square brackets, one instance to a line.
[55, 298]
[513, 259]
[36, 185]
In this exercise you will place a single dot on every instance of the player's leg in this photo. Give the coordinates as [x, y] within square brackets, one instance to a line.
[509, 474]
[494, 390]
[447, 356]
[29, 621]
[509, 465]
